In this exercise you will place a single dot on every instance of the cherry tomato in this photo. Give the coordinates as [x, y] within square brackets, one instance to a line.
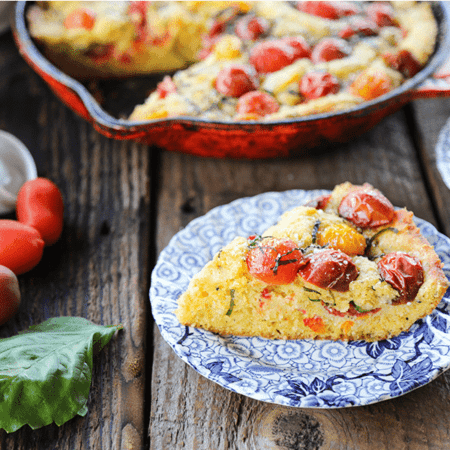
[404, 62]
[270, 56]
[319, 202]
[341, 236]
[364, 26]
[9, 294]
[80, 18]
[100, 53]
[382, 14]
[404, 273]
[256, 103]
[21, 246]
[250, 27]
[274, 261]
[236, 80]
[329, 49]
[366, 209]
[329, 269]
[371, 84]
[40, 205]
[318, 84]
[352, 310]
[166, 87]
[299, 45]
[328, 10]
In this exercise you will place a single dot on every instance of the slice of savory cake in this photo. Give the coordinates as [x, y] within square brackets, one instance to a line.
[347, 266]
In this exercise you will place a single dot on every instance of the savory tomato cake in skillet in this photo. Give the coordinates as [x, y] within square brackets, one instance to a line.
[241, 61]
[347, 266]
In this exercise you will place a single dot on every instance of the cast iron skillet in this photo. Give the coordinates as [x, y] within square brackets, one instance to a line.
[250, 140]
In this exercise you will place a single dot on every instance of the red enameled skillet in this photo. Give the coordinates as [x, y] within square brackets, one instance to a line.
[250, 140]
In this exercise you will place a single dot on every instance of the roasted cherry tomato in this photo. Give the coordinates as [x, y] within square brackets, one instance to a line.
[270, 56]
[366, 209]
[80, 18]
[21, 246]
[250, 27]
[9, 294]
[329, 269]
[353, 310]
[256, 103]
[299, 45]
[404, 62]
[166, 87]
[341, 236]
[364, 26]
[319, 202]
[318, 84]
[40, 205]
[328, 10]
[274, 261]
[371, 84]
[329, 49]
[236, 80]
[404, 273]
[382, 14]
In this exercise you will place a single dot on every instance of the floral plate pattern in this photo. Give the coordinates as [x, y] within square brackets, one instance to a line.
[298, 373]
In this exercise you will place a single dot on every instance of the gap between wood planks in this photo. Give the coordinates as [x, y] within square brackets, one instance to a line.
[154, 186]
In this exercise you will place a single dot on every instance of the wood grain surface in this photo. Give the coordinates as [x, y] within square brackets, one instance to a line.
[124, 202]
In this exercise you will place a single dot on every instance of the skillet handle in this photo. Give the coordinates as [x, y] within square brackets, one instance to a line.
[437, 85]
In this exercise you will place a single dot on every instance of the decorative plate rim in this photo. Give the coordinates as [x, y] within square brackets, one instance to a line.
[297, 373]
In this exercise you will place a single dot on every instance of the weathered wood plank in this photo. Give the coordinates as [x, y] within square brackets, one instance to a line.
[99, 269]
[190, 412]
[431, 115]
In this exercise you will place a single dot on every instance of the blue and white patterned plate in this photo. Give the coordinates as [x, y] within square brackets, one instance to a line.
[301, 373]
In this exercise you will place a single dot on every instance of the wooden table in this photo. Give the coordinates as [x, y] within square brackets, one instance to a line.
[124, 201]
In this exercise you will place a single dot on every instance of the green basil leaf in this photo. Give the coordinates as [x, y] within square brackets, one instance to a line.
[46, 371]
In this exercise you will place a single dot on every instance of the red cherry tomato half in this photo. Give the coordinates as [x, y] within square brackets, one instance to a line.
[21, 246]
[318, 84]
[80, 18]
[40, 205]
[364, 26]
[329, 49]
[327, 10]
[382, 14]
[274, 261]
[404, 273]
[319, 202]
[301, 48]
[329, 269]
[366, 209]
[236, 80]
[404, 62]
[270, 56]
[9, 294]
[352, 311]
[257, 103]
[250, 28]
[166, 87]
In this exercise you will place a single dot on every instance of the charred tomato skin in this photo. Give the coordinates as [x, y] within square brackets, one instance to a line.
[366, 209]
[404, 273]
[329, 269]
[274, 261]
